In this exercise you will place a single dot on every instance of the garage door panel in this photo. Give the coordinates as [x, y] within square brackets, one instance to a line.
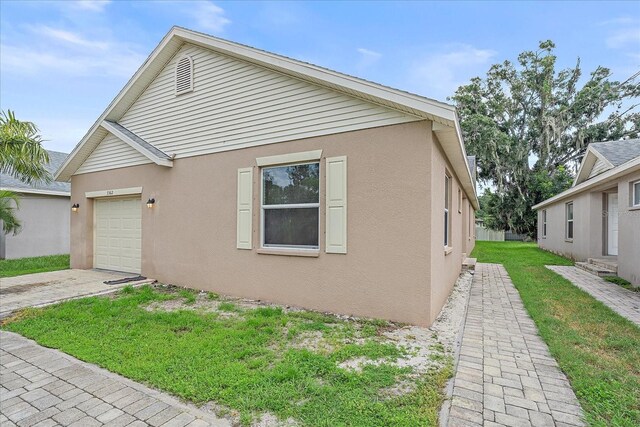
[118, 234]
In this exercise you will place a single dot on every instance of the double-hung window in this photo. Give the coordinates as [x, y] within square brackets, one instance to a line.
[635, 197]
[290, 206]
[544, 223]
[569, 216]
[447, 210]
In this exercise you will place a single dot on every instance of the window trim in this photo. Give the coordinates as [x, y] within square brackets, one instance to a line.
[447, 213]
[287, 249]
[634, 203]
[567, 221]
[544, 223]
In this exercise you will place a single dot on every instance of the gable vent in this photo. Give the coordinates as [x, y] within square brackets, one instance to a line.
[184, 75]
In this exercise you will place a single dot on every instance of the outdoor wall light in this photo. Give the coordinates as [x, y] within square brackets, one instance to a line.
[150, 203]
[75, 207]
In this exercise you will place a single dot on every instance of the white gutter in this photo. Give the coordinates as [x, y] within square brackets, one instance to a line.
[37, 191]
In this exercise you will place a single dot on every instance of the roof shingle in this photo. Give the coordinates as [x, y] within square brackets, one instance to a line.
[618, 152]
[55, 160]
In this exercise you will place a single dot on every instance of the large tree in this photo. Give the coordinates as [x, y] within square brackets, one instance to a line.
[529, 124]
[23, 157]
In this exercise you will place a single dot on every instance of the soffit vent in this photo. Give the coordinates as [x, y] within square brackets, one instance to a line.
[184, 75]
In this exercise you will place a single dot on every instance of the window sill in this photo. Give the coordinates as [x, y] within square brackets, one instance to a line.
[634, 208]
[448, 250]
[313, 253]
[568, 240]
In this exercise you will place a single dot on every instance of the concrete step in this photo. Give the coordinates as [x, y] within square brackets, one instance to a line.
[595, 269]
[604, 263]
[469, 264]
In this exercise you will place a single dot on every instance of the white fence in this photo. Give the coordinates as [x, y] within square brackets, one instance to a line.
[483, 233]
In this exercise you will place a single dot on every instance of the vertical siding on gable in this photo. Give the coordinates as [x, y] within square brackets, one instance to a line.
[112, 153]
[236, 104]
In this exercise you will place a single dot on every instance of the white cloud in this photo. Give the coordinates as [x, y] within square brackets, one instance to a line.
[91, 5]
[69, 37]
[622, 20]
[368, 57]
[34, 61]
[208, 16]
[440, 74]
[369, 53]
[624, 37]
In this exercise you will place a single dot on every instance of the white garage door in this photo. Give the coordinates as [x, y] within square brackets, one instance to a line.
[118, 234]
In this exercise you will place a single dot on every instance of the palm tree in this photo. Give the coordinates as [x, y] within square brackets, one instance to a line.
[23, 157]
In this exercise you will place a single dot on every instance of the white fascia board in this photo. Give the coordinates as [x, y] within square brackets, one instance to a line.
[432, 109]
[588, 161]
[451, 141]
[62, 174]
[271, 60]
[37, 191]
[133, 144]
[611, 174]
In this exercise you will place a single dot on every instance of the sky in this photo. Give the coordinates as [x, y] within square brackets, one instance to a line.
[61, 63]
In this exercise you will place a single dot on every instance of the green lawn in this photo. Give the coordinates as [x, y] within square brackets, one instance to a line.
[597, 349]
[18, 267]
[249, 360]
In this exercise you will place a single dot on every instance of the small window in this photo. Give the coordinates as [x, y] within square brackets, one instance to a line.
[569, 216]
[544, 223]
[635, 189]
[447, 209]
[184, 75]
[459, 201]
[290, 206]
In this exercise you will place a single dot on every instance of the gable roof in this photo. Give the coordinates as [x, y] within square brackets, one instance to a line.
[602, 156]
[618, 152]
[56, 159]
[143, 147]
[442, 115]
[610, 174]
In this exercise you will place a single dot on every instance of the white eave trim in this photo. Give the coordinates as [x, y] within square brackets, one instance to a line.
[37, 191]
[586, 166]
[139, 148]
[611, 174]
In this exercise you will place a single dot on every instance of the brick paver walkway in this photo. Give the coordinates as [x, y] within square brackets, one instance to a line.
[45, 387]
[617, 298]
[505, 374]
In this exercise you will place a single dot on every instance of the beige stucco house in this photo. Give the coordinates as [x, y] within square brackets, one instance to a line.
[43, 213]
[226, 168]
[598, 219]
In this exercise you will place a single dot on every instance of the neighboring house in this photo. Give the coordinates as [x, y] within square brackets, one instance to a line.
[274, 179]
[44, 215]
[599, 216]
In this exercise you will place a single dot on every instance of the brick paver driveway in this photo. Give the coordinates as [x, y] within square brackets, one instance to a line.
[621, 300]
[505, 374]
[45, 288]
[45, 387]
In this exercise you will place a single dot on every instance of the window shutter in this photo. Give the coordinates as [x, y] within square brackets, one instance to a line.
[245, 208]
[336, 200]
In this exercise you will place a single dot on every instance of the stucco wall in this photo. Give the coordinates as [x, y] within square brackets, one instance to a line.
[189, 237]
[628, 231]
[45, 227]
[587, 221]
[445, 267]
[590, 227]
